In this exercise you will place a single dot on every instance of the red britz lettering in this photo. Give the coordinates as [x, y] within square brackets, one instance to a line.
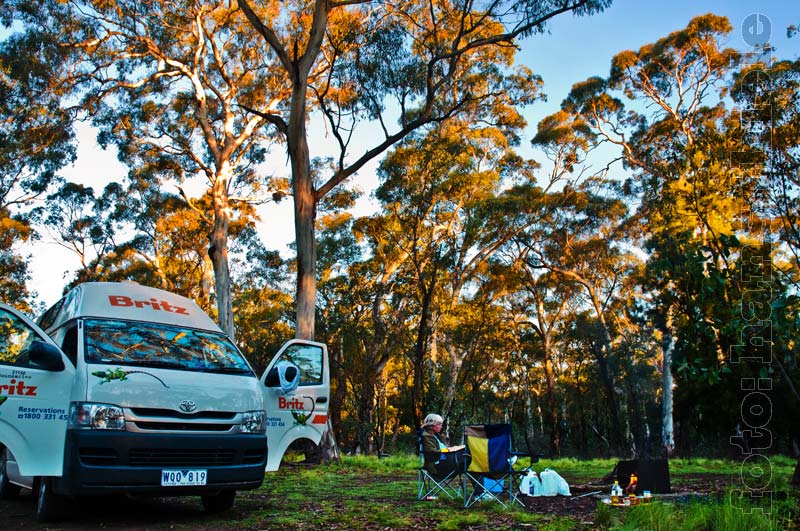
[124, 301]
[120, 300]
[18, 388]
[294, 403]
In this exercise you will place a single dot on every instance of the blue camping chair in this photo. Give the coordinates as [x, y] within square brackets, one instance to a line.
[490, 473]
[438, 472]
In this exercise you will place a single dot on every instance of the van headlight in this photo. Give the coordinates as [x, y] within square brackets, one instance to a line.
[254, 422]
[88, 415]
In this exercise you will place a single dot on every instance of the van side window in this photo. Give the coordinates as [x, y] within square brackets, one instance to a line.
[309, 360]
[48, 318]
[15, 339]
[70, 344]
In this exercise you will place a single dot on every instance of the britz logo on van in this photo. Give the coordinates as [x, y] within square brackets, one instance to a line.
[293, 403]
[122, 300]
[14, 387]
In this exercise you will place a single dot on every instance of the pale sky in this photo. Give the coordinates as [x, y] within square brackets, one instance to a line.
[574, 49]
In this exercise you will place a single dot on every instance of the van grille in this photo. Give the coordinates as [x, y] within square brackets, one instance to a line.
[164, 420]
[171, 413]
[181, 426]
[98, 456]
[170, 457]
[254, 456]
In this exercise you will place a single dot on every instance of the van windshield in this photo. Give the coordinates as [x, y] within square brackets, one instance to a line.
[114, 342]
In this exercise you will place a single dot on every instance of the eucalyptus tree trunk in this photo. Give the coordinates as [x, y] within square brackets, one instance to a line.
[550, 384]
[552, 405]
[366, 417]
[667, 426]
[368, 401]
[298, 68]
[305, 213]
[608, 379]
[218, 251]
[420, 348]
[530, 425]
[206, 282]
[454, 370]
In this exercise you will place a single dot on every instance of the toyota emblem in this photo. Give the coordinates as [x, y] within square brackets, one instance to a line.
[187, 406]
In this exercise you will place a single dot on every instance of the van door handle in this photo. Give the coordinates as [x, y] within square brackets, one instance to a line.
[322, 399]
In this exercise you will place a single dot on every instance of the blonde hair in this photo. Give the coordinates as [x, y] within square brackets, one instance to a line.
[431, 420]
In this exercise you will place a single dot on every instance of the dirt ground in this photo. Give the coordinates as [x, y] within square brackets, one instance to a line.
[150, 514]
[583, 502]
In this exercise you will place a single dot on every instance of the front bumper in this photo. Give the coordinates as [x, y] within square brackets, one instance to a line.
[106, 462]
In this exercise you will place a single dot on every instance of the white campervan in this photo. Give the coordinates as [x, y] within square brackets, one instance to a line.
[136, 390]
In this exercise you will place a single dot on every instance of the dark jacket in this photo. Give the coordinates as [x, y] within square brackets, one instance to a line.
[436, 462]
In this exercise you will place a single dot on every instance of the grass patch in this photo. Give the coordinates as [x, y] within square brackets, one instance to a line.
[393, 463]
[696, 516]
[732, 514]
[370, 493]
[561, 524]
[654, 517]
[462, 520]
[580, 470]
[526, 518]
[780, 467]
[381, 514]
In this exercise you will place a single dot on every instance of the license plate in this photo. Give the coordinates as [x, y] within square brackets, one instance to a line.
[183, 478]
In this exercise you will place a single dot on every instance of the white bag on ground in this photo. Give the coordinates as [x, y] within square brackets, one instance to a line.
[549, 484]
[530, 485]
[535, 485]
[563, 486]
[525, 484]
[553, 484]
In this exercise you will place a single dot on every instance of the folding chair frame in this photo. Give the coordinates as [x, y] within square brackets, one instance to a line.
[429, 484]
[473, 486]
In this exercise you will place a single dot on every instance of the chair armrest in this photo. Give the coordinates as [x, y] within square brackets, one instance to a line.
[534, 457]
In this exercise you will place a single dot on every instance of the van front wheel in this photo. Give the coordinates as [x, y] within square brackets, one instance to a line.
[7, 489]
[216, 503]
[49, 506]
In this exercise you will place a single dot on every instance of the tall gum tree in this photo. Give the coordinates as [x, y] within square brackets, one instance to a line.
[539, 301]
[678, 80]
[412, 63]
[435, 192]
[36, 140]
[769, 96]
[379, 308]
[168, 84]
[575, 237]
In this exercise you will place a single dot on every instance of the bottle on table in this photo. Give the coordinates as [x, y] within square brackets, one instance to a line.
[616, 493]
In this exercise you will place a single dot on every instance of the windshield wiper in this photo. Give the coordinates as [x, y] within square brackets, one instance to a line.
[157, 363]
[228, 370]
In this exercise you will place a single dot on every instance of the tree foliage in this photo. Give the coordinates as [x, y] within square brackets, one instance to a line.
[408, 63]
[604, 296]
[168, 85]
[35, 142]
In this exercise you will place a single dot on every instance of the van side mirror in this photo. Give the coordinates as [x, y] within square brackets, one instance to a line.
[45, 356]
[285, 376]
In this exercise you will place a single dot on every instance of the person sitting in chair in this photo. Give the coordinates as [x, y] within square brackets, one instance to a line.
[440, 459]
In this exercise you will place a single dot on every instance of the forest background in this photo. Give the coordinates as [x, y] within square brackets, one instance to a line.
[621, 281]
